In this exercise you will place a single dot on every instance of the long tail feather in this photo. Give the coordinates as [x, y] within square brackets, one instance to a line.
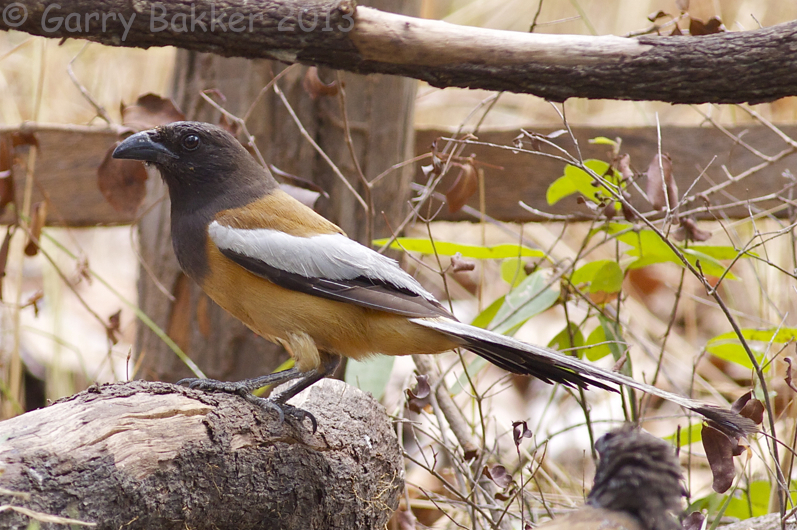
[554, 367]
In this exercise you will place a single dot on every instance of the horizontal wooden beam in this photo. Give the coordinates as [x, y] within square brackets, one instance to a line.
[66, 175]
[696, 152]
[67, 162]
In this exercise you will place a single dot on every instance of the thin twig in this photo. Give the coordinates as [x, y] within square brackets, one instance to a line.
[101, 112]
[367, 186]
[318, 149]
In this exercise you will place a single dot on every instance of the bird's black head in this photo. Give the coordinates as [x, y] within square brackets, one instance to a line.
[197, 160]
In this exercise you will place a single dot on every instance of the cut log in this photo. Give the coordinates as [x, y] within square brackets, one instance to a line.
[153, 455]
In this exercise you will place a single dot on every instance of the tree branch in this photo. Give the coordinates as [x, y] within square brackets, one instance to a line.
[749, 66]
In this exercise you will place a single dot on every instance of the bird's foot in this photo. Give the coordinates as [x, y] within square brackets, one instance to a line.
[245, 388]
[282, 409]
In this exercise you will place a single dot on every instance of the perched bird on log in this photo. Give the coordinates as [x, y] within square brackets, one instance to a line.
[637, 486]
[294, 278]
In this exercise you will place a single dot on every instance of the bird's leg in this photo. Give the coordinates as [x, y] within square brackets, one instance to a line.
[307, 380]
[278, 404]
[310, 378]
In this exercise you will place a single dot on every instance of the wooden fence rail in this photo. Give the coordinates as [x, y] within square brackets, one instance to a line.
[66, 170]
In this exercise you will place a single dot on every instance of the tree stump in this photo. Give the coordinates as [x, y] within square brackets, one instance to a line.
[153, 455]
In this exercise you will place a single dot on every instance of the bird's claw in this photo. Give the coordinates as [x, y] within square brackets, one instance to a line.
[282, 409]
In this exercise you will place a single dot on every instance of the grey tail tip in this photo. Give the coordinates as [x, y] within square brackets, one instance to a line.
[727, 421]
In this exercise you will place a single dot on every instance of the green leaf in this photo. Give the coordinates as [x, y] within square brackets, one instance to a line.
[646, 243]
[733, 351]
[562, 339]
[513, 271]
[608, 279]
[740, 506]
[586, 272]
[529, 298]
[484, 318]
[650, 248]
[593, 353]
[602, 140]
[576, 180]
[426, 246]
[690, 435]
[371, 375]
[708, 265]
[607, 333]
[776, 335]
[612, 334]
[727, 345]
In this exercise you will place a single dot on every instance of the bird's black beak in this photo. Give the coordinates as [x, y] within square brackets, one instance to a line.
[143, 146]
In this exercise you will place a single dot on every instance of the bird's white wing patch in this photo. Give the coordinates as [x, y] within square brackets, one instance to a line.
[328, 256]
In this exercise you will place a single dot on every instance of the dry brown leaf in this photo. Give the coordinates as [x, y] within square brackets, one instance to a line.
[625, 206]
[466, 184]
[316, 88]
[602, 297]
[719, 451]
[150, 110]
[689, 231]
[749, 407]
[419, 398]
[788, 378]
[499, 475]
[693, 521]
[113, 328]
[609, 211]
[623, 165]
[658, 182]
[122, 182]
[697, 27]
[520, 430]
[459, 264]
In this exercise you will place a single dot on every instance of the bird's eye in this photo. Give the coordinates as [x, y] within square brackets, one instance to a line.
[191, 142]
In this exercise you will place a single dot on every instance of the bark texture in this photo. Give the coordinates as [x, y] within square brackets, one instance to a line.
[750, 66]
[145, 455]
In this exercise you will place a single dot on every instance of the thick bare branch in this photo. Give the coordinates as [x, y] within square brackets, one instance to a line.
[749, 66]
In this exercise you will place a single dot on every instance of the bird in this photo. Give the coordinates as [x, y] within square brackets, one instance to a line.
[296, 279]
[638, 486]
